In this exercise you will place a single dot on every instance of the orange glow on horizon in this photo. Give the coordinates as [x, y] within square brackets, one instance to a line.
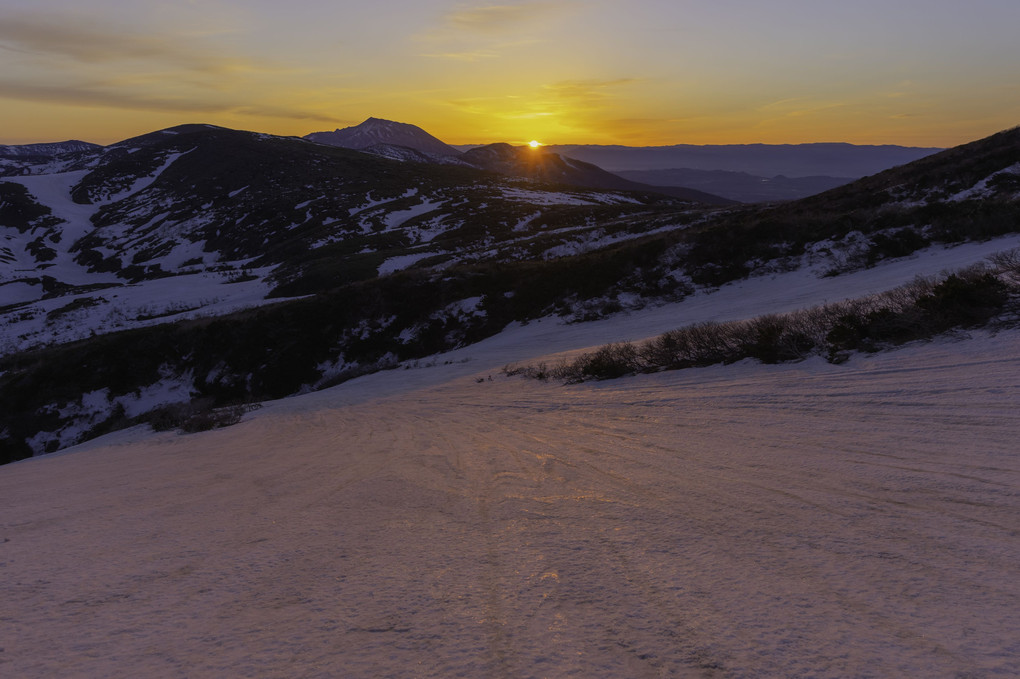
[687, 73]
[106, 126]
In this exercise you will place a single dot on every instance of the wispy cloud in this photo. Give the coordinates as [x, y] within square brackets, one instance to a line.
[97, 95]
[267, 111]
[587, 91]
[89, 42]
[77, 61]
[473, 55]
[798, 107]
[503, 18]
[476, 32]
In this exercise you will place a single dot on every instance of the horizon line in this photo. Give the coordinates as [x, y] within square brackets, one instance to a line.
[476, 144]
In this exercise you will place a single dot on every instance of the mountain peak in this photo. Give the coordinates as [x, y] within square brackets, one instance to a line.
[375, 131]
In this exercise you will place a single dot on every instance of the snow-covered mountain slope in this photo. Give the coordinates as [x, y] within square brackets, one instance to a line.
[215, 209]
[376, 131]
[735, 521]
[46, 158]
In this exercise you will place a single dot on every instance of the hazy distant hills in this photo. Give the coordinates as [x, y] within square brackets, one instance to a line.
[748, 173]
[409, 143]
[543, 165]
[986, 171]
[739, 186]
[763, 160]
[713, 174]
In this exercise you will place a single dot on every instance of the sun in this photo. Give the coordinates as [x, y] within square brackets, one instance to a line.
[534, 144]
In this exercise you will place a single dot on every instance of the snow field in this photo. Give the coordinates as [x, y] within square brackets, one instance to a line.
[735, 521]
[150, 302]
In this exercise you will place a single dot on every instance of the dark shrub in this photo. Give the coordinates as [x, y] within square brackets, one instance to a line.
[867, 332]
[12, 450]
[964, 301]
[700, 344]
[608, 362]
[773, 339]
[198, 415]
[1008, 265]
[899, 243]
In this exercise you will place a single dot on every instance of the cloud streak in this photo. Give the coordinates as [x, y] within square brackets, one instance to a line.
[587, 90]
[472, 33]
[97, 96]
[472, 56]
[798, 107]
[494, 19]
[88, 42]
[76, 61]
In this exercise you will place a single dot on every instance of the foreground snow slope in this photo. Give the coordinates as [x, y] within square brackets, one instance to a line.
[737, 521]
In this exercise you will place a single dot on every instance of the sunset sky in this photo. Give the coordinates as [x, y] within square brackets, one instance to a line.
[636, 72]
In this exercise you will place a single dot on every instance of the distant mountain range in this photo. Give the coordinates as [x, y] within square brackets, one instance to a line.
[409, 143]
[747, 173]
[763, 160]
[543, 165]
[739, 186]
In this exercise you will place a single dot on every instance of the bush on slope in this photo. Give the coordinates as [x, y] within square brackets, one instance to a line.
[920, 310]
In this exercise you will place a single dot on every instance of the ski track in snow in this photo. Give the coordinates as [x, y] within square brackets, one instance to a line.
[741, 521]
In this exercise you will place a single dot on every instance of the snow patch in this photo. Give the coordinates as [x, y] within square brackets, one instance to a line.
[398, 218]
[546, 197]
[168, 390]
[64, 319]
[981, 189]
[401, 262]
